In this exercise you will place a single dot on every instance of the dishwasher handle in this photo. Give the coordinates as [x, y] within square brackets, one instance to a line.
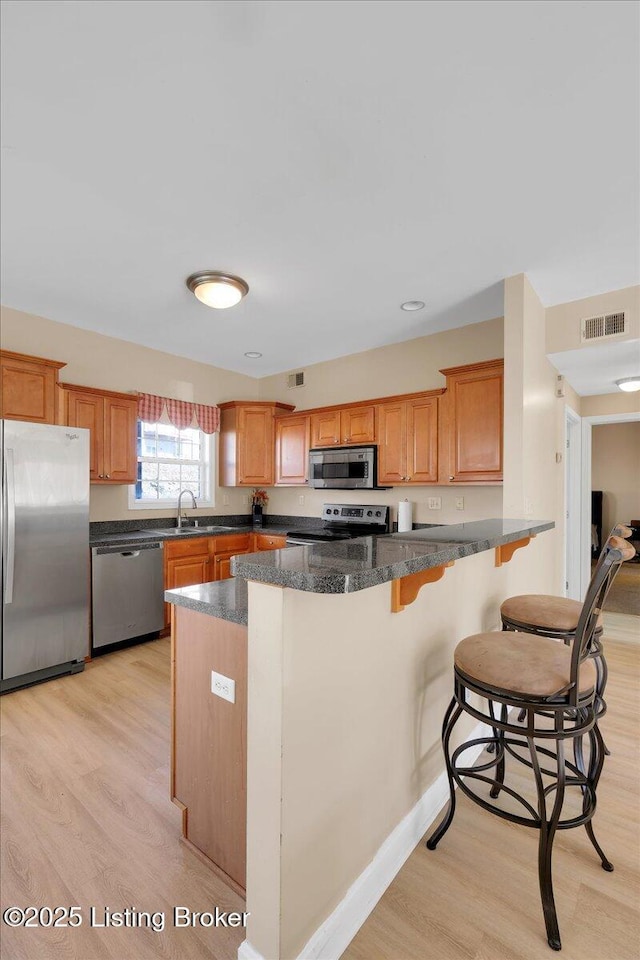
[124, 551]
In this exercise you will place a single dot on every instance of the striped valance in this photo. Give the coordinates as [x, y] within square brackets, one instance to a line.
[181, 413]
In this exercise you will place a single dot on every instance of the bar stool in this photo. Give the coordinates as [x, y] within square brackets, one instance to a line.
[555, 685]
[558, 617]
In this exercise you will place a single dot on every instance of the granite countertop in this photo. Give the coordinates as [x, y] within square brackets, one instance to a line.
[131, 537]
[351, 565]
[225, 599]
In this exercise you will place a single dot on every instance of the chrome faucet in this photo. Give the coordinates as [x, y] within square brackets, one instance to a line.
[195, 505]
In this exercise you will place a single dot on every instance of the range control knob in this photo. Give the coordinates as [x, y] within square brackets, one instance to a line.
[336, 512]
[378, 513]
[369, 513]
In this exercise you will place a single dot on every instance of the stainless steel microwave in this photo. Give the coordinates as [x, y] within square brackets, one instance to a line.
[343, 468]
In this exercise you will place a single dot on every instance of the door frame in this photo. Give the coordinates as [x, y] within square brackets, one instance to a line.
[585, 527]
[572, 504]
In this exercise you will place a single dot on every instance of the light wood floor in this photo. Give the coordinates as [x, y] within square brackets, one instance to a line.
[476, 896]
[87, 820]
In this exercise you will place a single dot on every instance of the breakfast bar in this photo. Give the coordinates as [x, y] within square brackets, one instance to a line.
[332, 668]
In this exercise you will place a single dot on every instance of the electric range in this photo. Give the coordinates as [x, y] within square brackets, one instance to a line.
[344, 521]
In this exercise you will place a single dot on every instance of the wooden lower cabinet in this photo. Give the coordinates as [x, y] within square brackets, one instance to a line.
[205, 559]
[209, 741]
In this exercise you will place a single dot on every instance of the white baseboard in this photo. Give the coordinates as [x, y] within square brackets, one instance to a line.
[247, 952]
[336, 933]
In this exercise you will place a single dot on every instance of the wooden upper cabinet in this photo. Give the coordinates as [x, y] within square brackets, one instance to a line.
[408, 441]
[112, 419]
[28, 388]
[292, 450]
[343, 425]
[474, 423]
[247, 441]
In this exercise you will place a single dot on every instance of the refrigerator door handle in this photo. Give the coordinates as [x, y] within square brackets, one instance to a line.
[10, 520]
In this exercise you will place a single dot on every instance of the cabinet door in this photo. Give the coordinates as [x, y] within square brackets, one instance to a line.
[86, 410]
[422, 440]
[325, 428]
[476, 426]
[120, 460]
[28, 388]
[185, 562]
[222, 564]
[358, 425]
[292, 450]
[392, 442]
[255, 446]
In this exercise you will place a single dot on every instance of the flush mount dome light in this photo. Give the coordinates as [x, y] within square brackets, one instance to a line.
[412, 305]
[629, 384]
[253, 355]
[218, 290]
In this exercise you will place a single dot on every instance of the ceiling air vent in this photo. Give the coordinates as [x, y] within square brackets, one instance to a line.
[295, 379]
[607, 325]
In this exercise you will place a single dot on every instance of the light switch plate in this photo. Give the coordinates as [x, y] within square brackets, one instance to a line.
[223, 686]
[459, 503]
[435, 503]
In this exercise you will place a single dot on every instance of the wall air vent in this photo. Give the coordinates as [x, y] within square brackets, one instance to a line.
[606, 325]
[295, 379]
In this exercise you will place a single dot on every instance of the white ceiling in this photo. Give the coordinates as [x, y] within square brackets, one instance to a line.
[342, 157]
[594, 369]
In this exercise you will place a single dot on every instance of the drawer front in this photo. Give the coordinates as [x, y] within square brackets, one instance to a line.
[186, 548]
[266, 542]
[233, 543]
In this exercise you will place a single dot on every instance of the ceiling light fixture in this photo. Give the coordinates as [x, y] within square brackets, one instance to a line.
[218, 290]
[253, 355]
[412, 305]
[629, 384]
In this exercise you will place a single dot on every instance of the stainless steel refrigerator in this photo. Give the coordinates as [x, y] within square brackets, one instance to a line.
[45, 551]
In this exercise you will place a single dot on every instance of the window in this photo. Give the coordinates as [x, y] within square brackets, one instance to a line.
[171, 460]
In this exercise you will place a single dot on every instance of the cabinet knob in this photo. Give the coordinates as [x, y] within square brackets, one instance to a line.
[347, 439]
[101, 476]
[108, 476]
[451, 478]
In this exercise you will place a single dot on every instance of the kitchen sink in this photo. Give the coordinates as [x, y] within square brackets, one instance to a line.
[192, 531]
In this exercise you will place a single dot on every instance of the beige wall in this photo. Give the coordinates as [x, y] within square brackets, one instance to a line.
[609, 403]
[94, 360]
[563, 320]
[98, 361]
[346, 701]
[615, 469]
[400, 368]
[533, 432]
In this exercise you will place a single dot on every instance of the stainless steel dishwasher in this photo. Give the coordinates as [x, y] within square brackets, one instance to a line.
[128, 592]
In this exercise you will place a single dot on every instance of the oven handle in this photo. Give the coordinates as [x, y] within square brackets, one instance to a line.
[295, 542]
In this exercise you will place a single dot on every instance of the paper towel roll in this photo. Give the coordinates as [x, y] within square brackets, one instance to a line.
[405, 516]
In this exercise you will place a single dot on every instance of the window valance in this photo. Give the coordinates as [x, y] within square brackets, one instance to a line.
[181, 413]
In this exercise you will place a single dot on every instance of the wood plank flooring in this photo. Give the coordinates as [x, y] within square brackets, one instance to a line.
[87, 820]
[476, 896]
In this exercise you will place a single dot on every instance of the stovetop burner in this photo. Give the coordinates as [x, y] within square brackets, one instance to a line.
[344, 522]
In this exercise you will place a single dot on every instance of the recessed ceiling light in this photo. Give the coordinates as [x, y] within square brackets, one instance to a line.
[253, 355]
[629, 384]
[218, 290]
[412, 305]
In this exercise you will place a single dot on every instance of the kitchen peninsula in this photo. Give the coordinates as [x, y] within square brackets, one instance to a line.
[341, 678]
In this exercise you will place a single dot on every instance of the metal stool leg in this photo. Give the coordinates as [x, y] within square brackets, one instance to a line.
[450, 719]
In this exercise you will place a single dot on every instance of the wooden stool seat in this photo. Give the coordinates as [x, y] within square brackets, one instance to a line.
[508, 663]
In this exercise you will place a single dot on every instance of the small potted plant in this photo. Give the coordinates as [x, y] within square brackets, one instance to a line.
[259, 500]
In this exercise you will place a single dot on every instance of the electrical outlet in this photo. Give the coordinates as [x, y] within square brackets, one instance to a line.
[459, 503]
[223, 686]
[301, 499]
[225, 499]
[435, 503]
